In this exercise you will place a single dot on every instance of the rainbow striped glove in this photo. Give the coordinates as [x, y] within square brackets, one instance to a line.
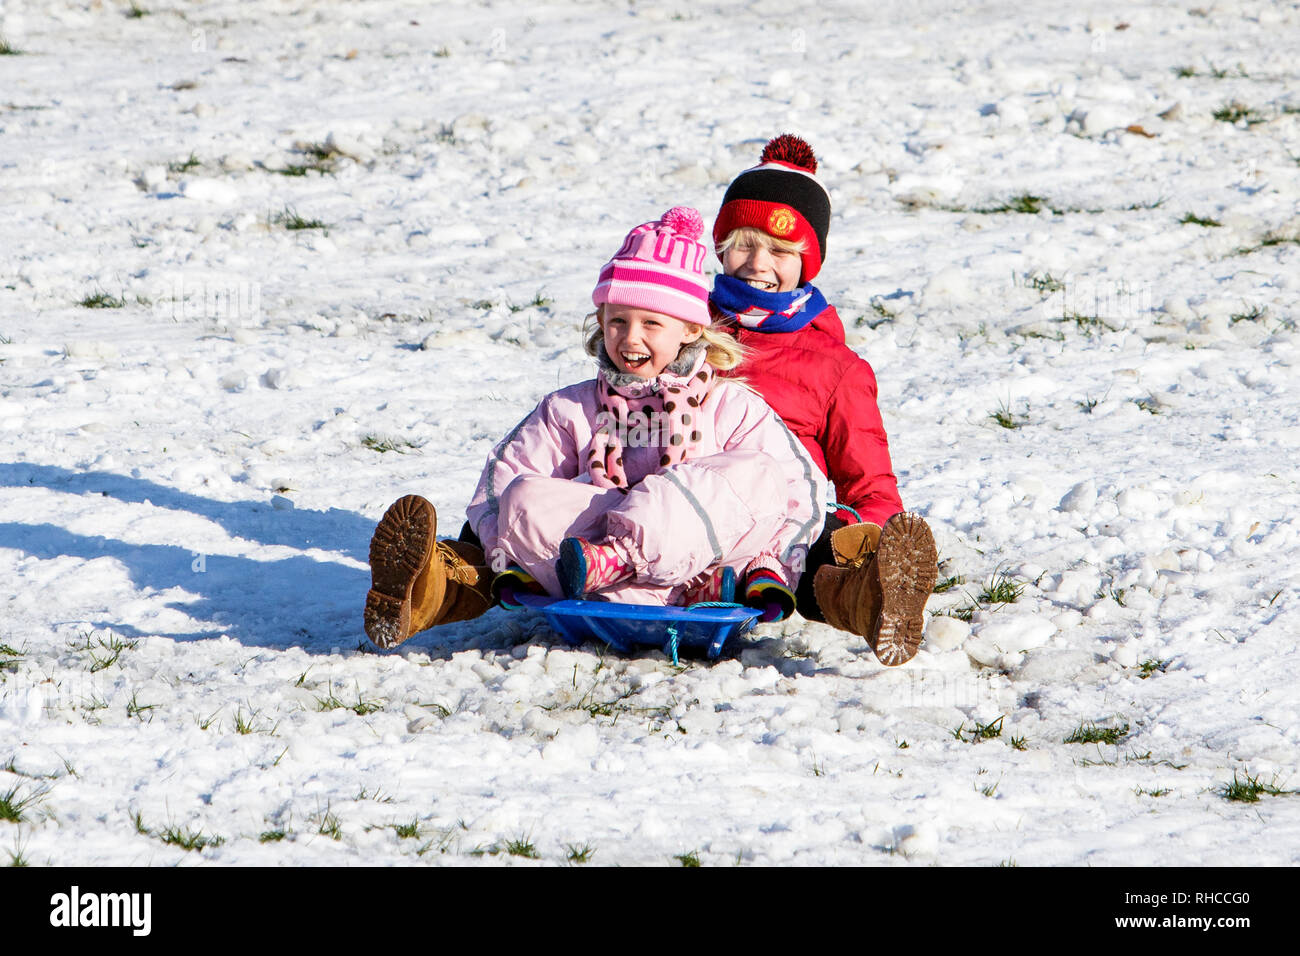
[765, 591]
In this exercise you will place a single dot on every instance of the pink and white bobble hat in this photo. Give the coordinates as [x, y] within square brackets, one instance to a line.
[660, 267]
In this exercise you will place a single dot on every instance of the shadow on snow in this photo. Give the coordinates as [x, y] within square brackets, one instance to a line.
[297, 601]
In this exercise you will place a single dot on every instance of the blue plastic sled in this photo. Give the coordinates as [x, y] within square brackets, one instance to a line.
[626, 626]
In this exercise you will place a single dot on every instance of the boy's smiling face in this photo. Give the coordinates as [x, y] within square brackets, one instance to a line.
[643, 342]
[763, 265]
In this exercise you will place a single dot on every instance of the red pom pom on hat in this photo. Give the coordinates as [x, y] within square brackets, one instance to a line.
[790, 150]
[684, 221]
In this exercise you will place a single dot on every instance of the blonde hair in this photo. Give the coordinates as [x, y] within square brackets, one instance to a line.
[722, 351]
[753, 236]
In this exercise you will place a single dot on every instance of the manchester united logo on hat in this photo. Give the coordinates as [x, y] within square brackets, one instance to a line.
[781, 222]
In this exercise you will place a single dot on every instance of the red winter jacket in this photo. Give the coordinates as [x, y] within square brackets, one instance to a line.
[826, 394]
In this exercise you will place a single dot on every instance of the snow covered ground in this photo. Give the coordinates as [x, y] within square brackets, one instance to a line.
[1039, 217]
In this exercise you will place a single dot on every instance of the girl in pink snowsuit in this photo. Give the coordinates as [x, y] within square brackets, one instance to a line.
[644, 483]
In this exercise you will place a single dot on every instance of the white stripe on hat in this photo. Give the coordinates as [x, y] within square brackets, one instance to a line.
[782, 167]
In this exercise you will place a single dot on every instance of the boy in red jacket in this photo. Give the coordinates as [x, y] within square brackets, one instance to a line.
[874, 567]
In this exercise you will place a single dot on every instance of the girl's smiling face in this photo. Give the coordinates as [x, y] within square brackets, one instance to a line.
[642, 342]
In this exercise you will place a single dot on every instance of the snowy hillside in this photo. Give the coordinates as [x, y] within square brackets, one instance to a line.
[266, 267]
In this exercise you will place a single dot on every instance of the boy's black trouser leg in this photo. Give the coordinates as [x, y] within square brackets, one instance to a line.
[818, 556]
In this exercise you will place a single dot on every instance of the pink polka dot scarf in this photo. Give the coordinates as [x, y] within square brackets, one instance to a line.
[663, 413]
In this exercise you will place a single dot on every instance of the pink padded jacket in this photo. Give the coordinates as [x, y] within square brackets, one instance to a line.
[747, 494]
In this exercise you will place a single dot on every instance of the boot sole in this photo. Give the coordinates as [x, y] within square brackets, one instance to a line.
[906, 561]
[571, 569]
[399, 551]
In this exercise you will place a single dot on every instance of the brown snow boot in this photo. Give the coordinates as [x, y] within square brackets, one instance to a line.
[418, 582]
[879, 584]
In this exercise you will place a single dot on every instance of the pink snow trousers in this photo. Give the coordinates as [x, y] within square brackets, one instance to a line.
[719, 510]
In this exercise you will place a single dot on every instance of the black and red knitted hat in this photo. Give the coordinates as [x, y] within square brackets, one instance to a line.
[783, 197]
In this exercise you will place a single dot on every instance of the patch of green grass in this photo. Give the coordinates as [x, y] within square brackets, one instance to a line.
[188, 839]
[1087, 405]
[1270, 240]
[1160, 792]
[981, 732]
[361, 708]
[112, 648]
[1134, 206]
[1152, 666]
[247, 725]
[102, 300]
[13, 803]
[1006, 419]
[1002, 588]
[690, 858]
[901, 744]
[272, 836]
[9, 658]
[1191, 219]
[1252, 314]
[522, 846]
[964, 612]
[8, 49]
[291, 220]
[1091, 733]
[1045, 284]
[385, 445]
[330, 825]
[16, 856]
[948, 583]
[1088, 324]
[990, 789]
[579, 854]
[407, 831]
[1235, 112]
[880, 316]
[321, 152]
[1018, 743]
[1024, 203]
[539, 301]
[138, 710]
[136, 12]
[184, 165]
[1248, 790]
[1148, 405]
[1215, 72]
[322, 159]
